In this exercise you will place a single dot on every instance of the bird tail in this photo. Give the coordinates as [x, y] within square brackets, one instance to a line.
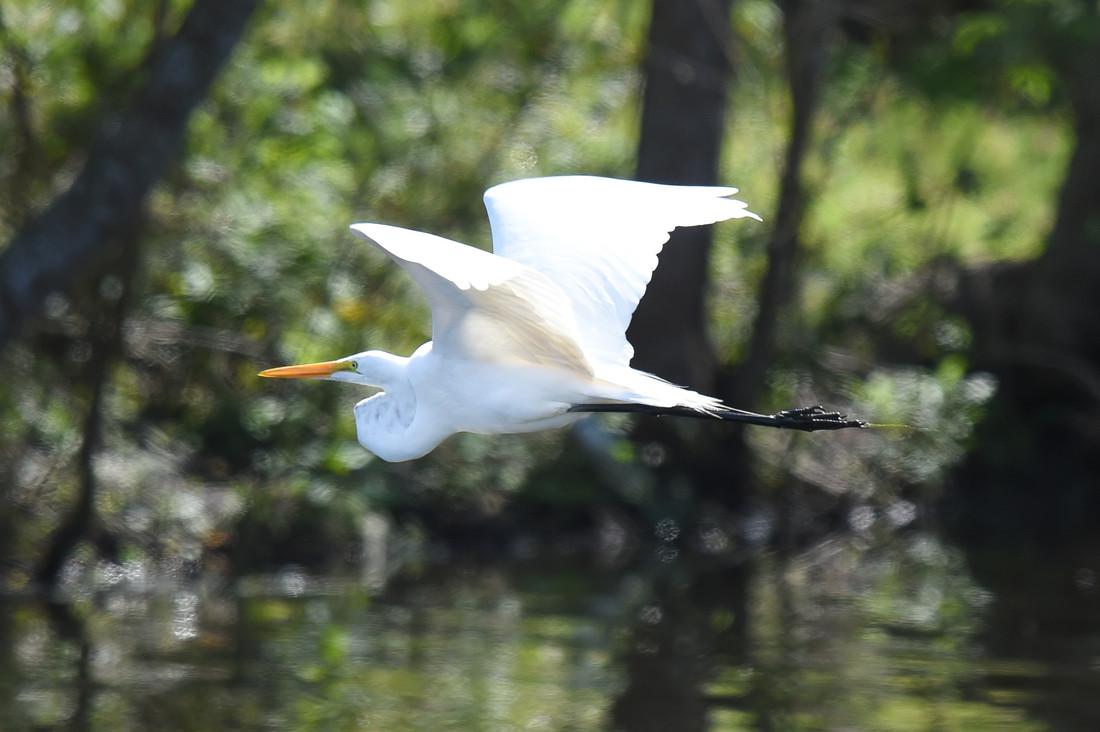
[624, 384]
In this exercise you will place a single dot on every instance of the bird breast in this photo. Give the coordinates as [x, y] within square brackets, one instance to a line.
[384, 424]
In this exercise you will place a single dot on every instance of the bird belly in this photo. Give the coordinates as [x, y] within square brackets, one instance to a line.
[494, 398]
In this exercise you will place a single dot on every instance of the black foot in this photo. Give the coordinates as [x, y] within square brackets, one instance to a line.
[811, 419]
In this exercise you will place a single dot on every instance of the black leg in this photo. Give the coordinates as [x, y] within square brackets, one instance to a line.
[807, 419]
[815, 418]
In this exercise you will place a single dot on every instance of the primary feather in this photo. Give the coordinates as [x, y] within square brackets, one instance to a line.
[598, 240]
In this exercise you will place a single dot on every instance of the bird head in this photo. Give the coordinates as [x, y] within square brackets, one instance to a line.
[369, 368]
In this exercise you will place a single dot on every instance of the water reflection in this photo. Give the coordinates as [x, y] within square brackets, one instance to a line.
[849, 635]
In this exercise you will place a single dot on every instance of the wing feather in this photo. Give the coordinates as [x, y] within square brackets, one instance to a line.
[598, 240]
[484, 307]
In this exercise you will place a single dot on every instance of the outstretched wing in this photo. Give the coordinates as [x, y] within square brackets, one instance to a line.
[598, 239]
[484, 307]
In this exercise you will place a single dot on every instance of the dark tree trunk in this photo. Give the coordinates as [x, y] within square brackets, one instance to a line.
[1062, 313]
[688, 70]
[687, 73]
[126, 161]
[807, 26]
[105, 328]
[1033, 471]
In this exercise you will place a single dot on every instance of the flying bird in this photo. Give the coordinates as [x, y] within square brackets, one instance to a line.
[533, 335]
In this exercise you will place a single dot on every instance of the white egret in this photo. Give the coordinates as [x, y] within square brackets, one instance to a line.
[533, 335]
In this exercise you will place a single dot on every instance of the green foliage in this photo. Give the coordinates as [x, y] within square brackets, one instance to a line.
[938, 147]
[404, 113]
[345, 112]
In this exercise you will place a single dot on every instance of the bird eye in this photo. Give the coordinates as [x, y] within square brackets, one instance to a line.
[355, 365]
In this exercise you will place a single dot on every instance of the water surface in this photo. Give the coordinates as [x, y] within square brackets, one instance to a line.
[848, 635]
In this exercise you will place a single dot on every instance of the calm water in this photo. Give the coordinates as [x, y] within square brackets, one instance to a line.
[906, 634]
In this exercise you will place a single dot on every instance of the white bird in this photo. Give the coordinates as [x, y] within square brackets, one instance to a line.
[533, 335]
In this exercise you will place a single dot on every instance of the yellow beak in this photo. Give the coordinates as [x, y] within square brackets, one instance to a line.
[307, 370]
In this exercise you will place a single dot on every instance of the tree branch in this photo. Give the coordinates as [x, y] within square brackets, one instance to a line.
[25, 147]
[129, 157]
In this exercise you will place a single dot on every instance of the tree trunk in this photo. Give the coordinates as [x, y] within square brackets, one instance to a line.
[807, 26]
[105, 329]
[687, 72]
[1062, 313]
[124, 164]
[1032, 473]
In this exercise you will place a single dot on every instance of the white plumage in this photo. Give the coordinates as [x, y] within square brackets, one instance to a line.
[598, 240]
[523, 336]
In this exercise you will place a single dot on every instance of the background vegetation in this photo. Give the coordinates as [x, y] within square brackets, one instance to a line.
[927, 173]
